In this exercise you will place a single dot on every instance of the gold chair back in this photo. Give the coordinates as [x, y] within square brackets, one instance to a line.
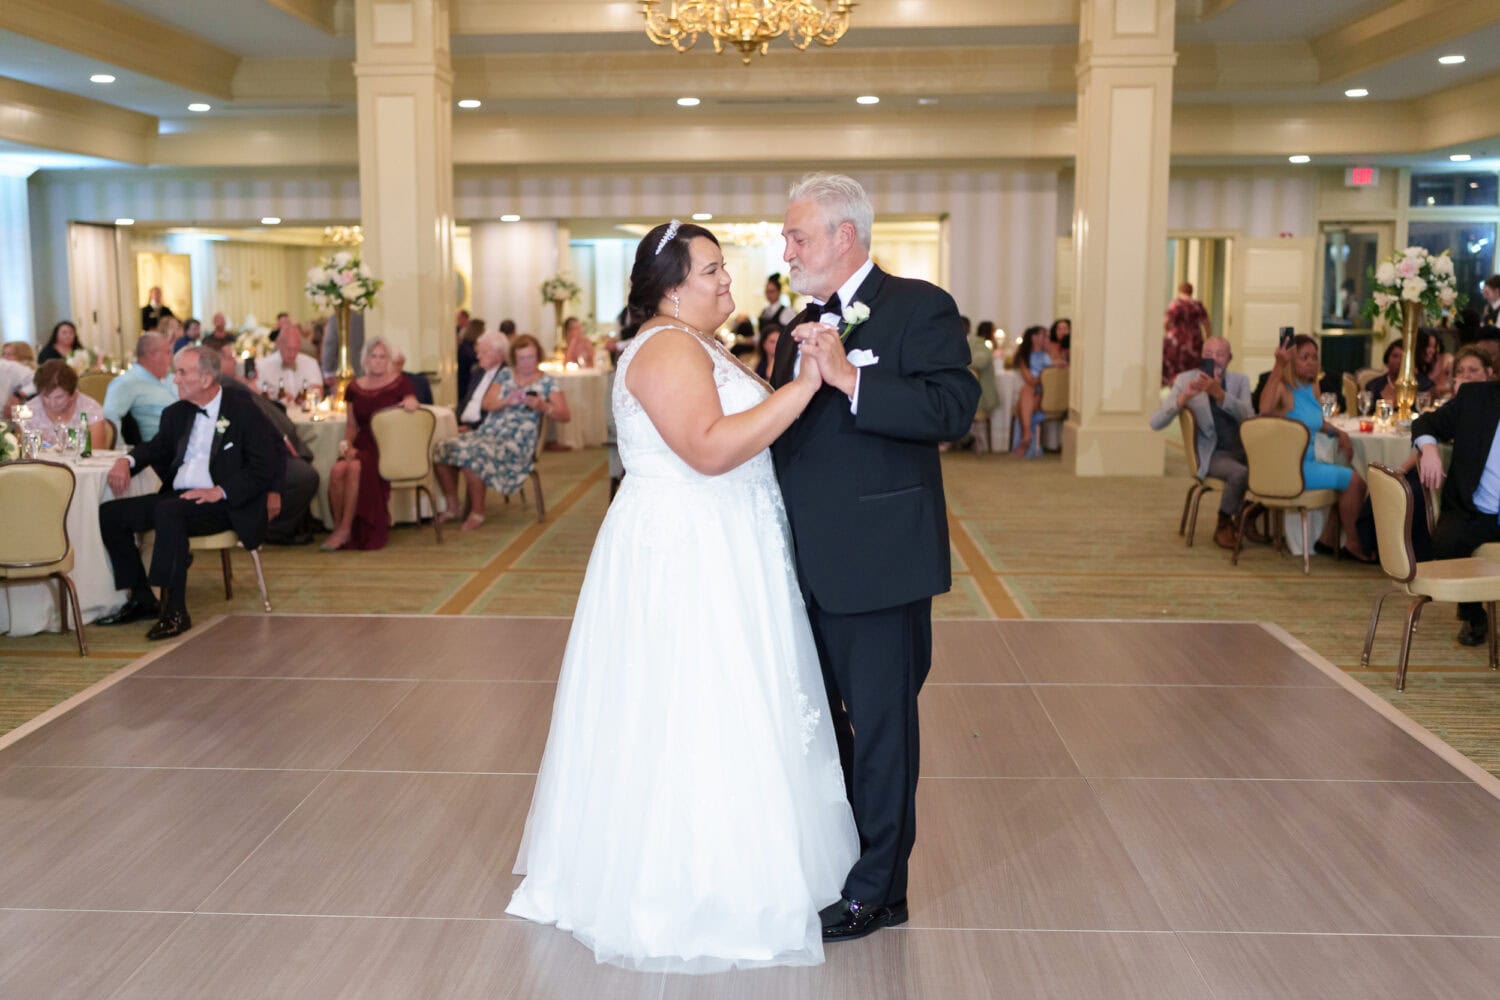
[109, 435]
[1351, 395]
[1392, 502]
[541, 439]
[94, 384]
[1054, 392]
[1189, 425]
[1364, 376]
[34, 502]
[1274, 449]
[405, 442]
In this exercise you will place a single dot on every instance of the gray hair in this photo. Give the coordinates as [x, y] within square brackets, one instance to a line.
[210, 362]
[494, 339]
[147, 344]
[370, 345]
[842, 200]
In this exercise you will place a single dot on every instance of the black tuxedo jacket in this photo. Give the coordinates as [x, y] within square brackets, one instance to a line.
[864, 492]
[242, 459]
[1469, 420]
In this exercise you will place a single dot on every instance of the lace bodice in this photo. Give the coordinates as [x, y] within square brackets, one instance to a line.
[646, 455]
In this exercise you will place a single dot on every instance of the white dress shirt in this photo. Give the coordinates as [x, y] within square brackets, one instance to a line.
[274, 375]
[14, 378]
[193, 474]
[846, 299]
[472, 410]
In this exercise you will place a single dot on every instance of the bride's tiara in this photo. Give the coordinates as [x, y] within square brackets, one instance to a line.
[666, 238]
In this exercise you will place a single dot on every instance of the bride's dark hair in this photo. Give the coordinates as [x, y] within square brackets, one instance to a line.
[659, 266]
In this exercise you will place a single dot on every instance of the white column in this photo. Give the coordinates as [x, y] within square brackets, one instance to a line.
[1125, 61]
[405, 86]
[17, 310]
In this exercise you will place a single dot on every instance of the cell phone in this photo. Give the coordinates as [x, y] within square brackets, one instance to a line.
[1287, 333]
[532, 392]
[1206, 366]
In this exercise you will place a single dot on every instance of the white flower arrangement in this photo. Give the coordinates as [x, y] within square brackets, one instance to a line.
[559, 288]
[1413, 275]
[254, 342]
[10, 448]
[82, 359]
[341, 280]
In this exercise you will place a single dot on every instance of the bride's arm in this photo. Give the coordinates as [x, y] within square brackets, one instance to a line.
[673, 378]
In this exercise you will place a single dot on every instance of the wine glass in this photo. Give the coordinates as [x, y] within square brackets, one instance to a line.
[1330, 404]
[1383, 410]
[1366, 402]
[1423, 402]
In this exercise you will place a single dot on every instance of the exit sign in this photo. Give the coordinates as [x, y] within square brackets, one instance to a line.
[1359, 177]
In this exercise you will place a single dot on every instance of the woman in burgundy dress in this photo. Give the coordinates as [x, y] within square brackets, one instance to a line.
[357, 494]
[1187, 326]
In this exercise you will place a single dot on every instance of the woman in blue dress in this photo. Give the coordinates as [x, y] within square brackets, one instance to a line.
[1292, 391]
[500, 452]
[1030, 360]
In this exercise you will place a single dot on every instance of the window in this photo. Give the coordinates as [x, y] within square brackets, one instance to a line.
[1439, 190]
[1472, 245]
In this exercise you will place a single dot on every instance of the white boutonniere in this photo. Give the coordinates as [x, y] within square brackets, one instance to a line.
[855, 313]
[221, 425]
[862, 358]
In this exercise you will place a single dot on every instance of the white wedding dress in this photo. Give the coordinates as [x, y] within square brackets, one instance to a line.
[689, 815]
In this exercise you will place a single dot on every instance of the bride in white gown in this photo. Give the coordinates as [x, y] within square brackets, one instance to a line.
[690, 815]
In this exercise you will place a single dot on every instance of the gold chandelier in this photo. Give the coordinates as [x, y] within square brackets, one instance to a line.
[343, 236]
[748, 25]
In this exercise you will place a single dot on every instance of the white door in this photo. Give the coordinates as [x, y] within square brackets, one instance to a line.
[1275, 289]
[94, 287]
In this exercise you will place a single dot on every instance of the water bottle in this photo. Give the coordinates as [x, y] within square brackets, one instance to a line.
[85, 440]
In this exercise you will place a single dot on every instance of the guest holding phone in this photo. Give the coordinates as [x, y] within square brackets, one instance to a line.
[500, 453]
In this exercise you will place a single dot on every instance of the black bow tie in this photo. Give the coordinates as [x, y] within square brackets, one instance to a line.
[201, 410]
[831, 306]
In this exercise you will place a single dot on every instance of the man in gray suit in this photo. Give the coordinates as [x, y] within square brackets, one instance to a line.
[1218, 403]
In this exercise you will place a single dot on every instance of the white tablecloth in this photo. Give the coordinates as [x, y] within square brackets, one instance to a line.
[32, 607]
[322, 438]
[587, 392]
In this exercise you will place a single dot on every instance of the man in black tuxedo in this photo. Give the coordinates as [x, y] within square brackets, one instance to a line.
[1471, 494]
[863, 487]
[215, 455]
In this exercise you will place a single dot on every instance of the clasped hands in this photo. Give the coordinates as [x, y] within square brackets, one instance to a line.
[822, 349]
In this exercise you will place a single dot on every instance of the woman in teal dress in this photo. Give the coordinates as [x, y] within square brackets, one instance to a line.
[500, 452]
[1292, 391]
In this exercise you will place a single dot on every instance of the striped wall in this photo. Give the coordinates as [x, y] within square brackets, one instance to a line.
[1259, 206]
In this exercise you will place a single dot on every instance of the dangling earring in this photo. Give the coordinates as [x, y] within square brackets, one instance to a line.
[676, 307]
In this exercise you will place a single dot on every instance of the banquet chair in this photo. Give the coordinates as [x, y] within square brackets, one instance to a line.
[1351, 395]
[1054, 396]
[536, 476]
[1274, 448]
[94, 384]
[1365, 376]
[404, 438]
[1474, 579]
[109, 435]
[1201, 484]
[225, 542]
[34, 501]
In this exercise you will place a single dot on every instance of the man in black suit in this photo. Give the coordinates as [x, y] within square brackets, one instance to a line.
[215, 455]
[1471, 494]
[863, 487]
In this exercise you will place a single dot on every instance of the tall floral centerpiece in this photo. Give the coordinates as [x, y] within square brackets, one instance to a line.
[559, 290]
[340, 283]
[1411, 286]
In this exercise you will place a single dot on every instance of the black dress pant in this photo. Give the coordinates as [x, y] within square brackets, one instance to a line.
[301, 487]
[874, 665]
[174, 520]
[1457, 534]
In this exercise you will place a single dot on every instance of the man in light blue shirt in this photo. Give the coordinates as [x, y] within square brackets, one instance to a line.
[145, 389]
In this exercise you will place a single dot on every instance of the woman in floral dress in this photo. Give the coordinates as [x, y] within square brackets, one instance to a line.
[500, 452]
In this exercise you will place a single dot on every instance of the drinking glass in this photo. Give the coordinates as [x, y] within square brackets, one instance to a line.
[1423, 402]
[1330, 404]
[1383, 410]
[1366, 402]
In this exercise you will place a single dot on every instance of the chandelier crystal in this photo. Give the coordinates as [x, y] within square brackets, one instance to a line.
[343, 236]
[748, 25]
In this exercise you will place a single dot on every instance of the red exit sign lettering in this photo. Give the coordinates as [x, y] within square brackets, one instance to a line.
[1358, 177]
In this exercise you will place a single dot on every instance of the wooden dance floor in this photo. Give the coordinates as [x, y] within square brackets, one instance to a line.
[309, 807]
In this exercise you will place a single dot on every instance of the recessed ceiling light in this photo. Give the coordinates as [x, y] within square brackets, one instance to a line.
[124, 222]
[101, 78]
[1452, 60]
[703, 216]
[927, 101]
[199, 106]
[510, 218]
[469, 104]
[1356, 92]
[688, 102]
[1300, 158]
[1460, 157]
[1473, 185]
[867, 99]
[271, 220]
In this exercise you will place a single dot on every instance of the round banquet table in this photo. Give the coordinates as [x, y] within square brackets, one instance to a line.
[322, 432]
[587, 391]
[29, 607]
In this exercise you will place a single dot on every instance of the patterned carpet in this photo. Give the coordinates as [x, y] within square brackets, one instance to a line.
[1029, 541]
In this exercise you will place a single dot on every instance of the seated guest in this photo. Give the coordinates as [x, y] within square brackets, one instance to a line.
[63, 345]
[215, 456]
[144, 390]
[288, 373]
[15, 385]
[18, 350]
[770, 333]
[490, 351]
[1030, 360]
[1292, 391]
[1059, 339]
[501, 453]
[330, 355]
[192, 332]
[170, 327]
[1443, 386]
[295, 482]
[468, 337]
[420, 387]
[1471, 484]
[57, 391]
[220, 338]
[580, 348]
[283, 320]
[1218, 403]
[982, 363]
[1383, 386]
[360, 499]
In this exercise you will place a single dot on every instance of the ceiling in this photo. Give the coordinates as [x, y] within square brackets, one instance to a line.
[955, 63]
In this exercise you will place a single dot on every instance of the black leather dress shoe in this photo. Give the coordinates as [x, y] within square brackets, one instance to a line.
[849, 919]
[133, 611]
[171, 624]
[1473, 633]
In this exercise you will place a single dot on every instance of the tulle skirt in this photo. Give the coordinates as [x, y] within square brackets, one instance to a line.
[690, 813]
